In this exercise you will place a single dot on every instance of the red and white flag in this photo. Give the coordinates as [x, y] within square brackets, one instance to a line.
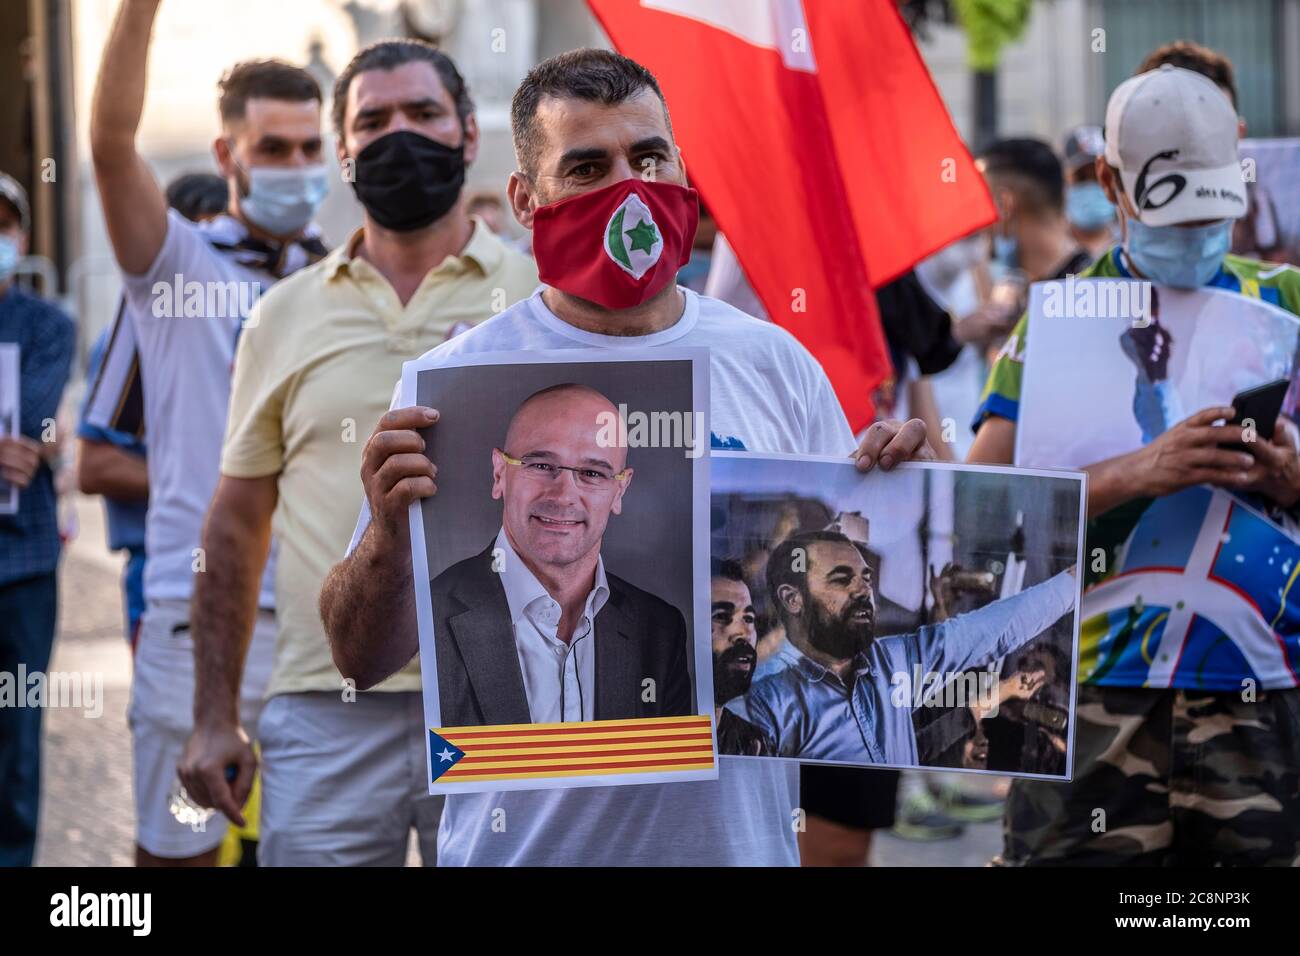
[816, 136]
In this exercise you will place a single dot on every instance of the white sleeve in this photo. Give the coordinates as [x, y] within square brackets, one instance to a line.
[185, 253]
[827, 428]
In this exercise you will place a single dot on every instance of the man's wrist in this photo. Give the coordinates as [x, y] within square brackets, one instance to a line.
[1115, 481]
[380, 547]
[1133, 474]
[219, 714]
[215, 720]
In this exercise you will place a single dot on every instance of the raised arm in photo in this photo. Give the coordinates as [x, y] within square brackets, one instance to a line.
[977, 637]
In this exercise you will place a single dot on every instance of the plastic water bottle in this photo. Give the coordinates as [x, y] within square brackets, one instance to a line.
[185, 810]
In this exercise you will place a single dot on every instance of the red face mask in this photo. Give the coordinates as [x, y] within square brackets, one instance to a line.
[619, 245]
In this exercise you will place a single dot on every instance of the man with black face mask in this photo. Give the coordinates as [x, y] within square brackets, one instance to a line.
[836, 696]
[322, 358]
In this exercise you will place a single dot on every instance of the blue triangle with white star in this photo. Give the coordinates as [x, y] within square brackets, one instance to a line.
[443, 755]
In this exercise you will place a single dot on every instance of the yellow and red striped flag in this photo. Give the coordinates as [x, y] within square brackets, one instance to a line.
[506, 752]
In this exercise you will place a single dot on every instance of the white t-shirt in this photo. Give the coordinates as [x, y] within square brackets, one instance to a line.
[186, 315]
[554, 671]
[767, 394]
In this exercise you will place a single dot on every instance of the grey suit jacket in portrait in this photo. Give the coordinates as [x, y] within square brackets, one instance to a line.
[638, 636]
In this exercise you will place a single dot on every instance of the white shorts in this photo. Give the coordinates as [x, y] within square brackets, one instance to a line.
[345, 782]
[161, 716]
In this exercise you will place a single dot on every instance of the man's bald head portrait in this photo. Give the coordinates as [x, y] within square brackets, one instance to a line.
[535, 627]
[558, 481]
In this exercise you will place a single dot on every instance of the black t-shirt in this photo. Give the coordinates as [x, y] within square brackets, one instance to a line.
[916, 326]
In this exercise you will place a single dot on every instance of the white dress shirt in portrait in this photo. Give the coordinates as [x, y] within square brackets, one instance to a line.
[559, 678]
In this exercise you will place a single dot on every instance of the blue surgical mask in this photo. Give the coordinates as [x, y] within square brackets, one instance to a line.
[1087, 207]
[1006, 256]
[1006, 251]
[8, 257]
[1178, 256]
[283, 201]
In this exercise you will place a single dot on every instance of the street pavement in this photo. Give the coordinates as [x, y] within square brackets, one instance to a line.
[87, 816]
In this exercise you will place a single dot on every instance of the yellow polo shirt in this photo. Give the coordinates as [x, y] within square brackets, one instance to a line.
[314, 371]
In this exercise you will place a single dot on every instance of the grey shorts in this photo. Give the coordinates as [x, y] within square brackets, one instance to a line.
[344, 783]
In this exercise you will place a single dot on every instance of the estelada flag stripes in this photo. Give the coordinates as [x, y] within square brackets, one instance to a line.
[818, 140]
[502, 752]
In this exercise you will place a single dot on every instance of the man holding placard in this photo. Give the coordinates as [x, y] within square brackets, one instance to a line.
[1175, 764]
[593, 142]
[37, 342]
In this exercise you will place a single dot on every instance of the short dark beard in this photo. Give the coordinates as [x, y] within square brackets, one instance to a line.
[728, 681]
[838, 637]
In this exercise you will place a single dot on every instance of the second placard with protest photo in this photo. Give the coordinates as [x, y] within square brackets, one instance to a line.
[923, 618]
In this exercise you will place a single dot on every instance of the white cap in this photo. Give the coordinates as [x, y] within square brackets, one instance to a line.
[1172, 134]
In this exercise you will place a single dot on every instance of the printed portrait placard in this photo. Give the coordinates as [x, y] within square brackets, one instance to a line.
[561, 569]
[922, 618]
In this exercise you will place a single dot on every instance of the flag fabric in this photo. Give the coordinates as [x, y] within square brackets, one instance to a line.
[505, 752]
[817, 138]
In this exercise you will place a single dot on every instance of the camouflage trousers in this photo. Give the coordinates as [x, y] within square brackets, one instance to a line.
[1167, 778]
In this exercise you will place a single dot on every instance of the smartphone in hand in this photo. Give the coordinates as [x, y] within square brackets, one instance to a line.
[1261, 405]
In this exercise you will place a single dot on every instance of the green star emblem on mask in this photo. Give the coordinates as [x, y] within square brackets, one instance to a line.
[632, 240]
[643, 236]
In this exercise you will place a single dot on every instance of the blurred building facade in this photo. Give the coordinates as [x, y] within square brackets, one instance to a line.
[1074, 52]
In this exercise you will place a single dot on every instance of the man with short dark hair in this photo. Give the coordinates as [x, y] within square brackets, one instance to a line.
[29, 539]
[1188, 55]
[322, 358]
[735, 657]
[390, 56]
[189, 289]
[835, 697]
[1032, 233]
[594, 146]
[198, 196]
